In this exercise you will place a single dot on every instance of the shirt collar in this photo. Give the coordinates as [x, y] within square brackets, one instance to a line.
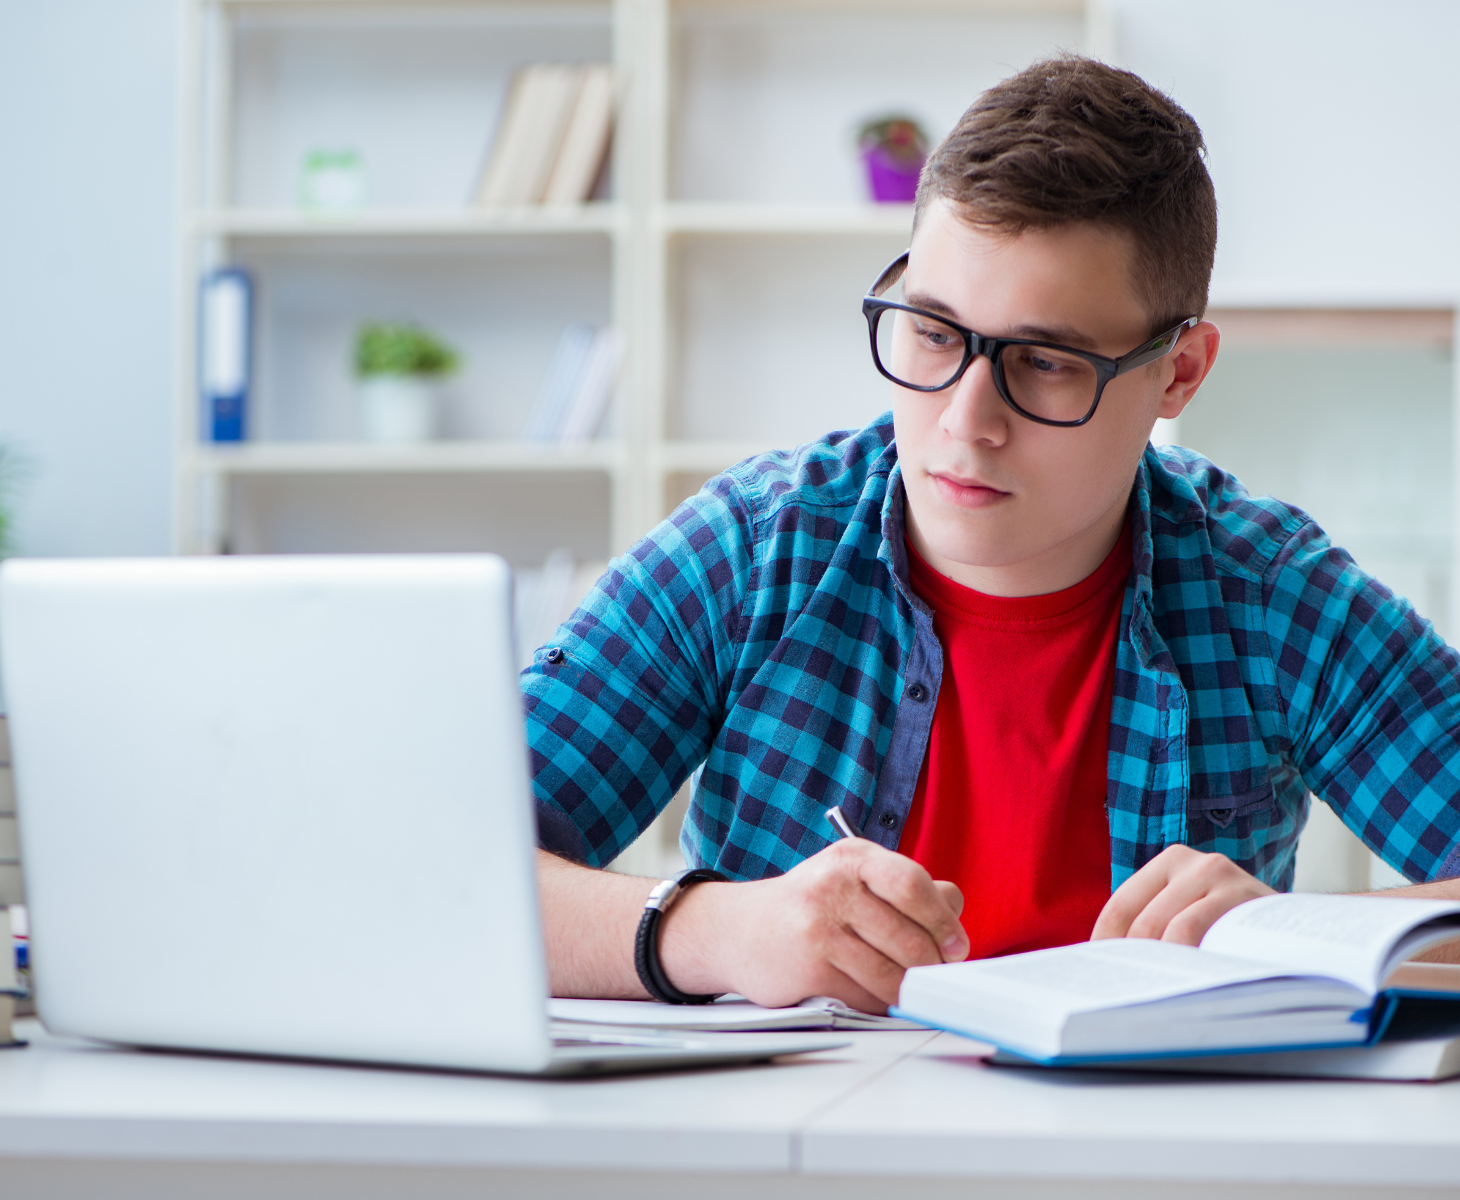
[1162, 491]
[893, 550]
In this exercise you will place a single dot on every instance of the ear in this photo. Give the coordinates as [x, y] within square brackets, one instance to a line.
[1193, 357]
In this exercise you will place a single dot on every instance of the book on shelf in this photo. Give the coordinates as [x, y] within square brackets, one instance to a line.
[1281, 973]
[552, 138]
[593, 388]
[584, 144]
[577, 387]
[225, 353]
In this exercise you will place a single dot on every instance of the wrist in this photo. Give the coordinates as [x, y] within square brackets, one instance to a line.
[692, 951]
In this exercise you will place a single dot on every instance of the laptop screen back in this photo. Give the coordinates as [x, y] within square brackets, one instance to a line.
[277, 805]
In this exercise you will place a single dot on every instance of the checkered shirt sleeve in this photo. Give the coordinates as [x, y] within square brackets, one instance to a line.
[755, 631]
[1373, 703]
[626, 708]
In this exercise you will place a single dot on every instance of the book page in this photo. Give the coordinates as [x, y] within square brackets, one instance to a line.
[1353, 938]
[1086, 976]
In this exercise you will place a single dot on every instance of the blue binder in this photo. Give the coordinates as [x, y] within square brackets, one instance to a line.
[225, 353]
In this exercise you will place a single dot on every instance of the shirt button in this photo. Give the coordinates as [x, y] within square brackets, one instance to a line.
[887, 820]
[916, 691]
[554, 654]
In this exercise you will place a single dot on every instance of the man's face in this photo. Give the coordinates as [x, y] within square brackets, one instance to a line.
[997, 501]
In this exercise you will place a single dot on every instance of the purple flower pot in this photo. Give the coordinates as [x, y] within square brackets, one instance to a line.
[891, 181]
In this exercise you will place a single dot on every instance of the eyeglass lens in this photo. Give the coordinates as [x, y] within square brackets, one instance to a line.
[923, 352]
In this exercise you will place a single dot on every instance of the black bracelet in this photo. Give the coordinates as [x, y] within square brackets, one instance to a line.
[646, 942]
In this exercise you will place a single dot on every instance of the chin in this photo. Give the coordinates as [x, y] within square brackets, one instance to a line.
[972, 549]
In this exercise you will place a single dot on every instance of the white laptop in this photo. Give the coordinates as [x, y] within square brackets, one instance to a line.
[281, 806]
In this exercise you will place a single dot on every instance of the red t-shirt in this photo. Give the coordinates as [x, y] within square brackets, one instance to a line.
[1010, 804]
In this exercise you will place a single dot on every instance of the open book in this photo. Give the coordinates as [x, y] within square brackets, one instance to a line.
[1279, 973]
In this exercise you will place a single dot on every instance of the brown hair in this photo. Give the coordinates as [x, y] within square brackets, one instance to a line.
[1071, 139]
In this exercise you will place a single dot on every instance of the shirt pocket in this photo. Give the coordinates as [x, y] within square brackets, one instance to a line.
[1229, 815]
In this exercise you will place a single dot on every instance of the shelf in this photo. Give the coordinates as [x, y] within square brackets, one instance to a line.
[713, 457]
[875, 220]
[1071, 8]
[362, 458]
[443, 222]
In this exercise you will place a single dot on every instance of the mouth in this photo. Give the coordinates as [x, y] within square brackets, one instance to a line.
[966, 492]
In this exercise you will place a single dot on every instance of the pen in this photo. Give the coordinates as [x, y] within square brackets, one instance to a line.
[839, 822]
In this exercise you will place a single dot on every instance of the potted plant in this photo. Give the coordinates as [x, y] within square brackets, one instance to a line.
[400, 368]
[894, 149]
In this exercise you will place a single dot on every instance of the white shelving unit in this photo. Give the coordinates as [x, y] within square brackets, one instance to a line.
[724, 241]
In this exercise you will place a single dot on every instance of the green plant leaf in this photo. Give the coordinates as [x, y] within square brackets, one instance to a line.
[382, 349]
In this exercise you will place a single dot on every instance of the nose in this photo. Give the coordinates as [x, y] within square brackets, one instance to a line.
[974, 411]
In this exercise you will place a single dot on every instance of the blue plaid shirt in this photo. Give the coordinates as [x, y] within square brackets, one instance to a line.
[767, 631]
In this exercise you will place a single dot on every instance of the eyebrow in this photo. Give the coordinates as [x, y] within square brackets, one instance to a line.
[1062, 335]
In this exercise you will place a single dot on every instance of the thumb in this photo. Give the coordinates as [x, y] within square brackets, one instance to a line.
[950, 894]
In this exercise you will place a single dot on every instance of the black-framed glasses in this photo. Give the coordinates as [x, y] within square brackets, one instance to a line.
[1044, 381]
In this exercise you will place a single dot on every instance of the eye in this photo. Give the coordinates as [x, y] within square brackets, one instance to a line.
[937, 337]
[1040, 364]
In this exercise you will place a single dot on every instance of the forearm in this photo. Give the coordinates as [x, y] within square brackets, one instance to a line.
[1445, 889]
[589, 920]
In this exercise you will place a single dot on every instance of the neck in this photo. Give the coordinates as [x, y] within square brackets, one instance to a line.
[1053, 569]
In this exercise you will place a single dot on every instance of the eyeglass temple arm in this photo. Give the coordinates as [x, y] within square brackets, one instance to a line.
[890, 275]
[1157, 347]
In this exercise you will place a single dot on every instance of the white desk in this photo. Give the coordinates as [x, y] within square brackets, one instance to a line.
[897, 1114]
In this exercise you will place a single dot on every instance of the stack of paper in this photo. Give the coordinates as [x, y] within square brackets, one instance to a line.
[728, 1014]
[552, 139]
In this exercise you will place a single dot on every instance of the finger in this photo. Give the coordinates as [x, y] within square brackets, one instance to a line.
[1132, 896]
[906, 886]
[1128, 901]
[865, 966]
[888, 931]
[1178, 895]
[952, 897]
[1190, 925]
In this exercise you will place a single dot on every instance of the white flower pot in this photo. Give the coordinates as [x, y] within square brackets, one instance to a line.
[397, 408]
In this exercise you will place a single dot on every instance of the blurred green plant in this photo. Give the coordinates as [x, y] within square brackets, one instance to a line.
[16, 469]
[382, 349]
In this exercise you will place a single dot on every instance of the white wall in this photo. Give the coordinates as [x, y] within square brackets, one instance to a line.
[1331, 128]
[87, 115]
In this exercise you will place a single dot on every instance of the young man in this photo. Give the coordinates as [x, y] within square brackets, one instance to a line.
[1029, 657]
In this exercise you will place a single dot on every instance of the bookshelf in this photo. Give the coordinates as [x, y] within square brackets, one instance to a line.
[712, 208]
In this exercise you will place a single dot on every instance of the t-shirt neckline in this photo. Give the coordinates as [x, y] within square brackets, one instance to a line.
[954, 599]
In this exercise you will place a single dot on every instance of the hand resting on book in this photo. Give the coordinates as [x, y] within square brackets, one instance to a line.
[1177, 897]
